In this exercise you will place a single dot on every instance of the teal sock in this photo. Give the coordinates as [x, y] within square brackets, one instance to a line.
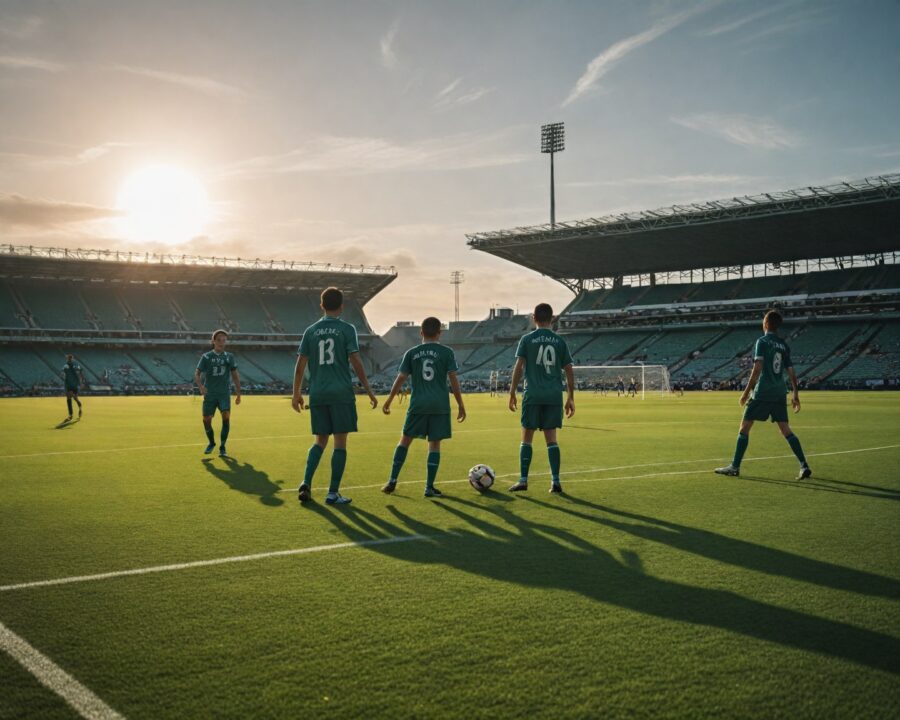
[742, 442]
[553, 455]
[399, 458]
[226, 428]
[312, 462]
[434, 459]
[209, 433]
[794, 442]
[338, 463]
[524, 461]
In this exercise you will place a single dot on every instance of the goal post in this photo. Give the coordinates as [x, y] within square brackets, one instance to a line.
[648, 378]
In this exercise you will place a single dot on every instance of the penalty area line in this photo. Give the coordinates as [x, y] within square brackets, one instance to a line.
[215, 561]
[54, 678]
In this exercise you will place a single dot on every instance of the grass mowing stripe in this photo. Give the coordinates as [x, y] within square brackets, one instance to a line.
[205, 563]
[52, 676]
[631, 467]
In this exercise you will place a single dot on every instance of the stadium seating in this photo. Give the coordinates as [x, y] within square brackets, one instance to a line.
[292, 312]
[104, 304]
[112, 367]
[610, 346]
[199, 309]
[54, 305]
[26, 368]
[245, 314]
[457, 332]
[9, 312]
[277, 363]
[151, 308]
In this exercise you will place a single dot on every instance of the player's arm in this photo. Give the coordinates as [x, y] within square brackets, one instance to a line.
[395, 388]
[570, 390]
[84, 380]
[751, 383]
[457, 393]
[795, 397]
[299, 369]
[361, 374]
[236, 379]
[514, 382]
[198, 379]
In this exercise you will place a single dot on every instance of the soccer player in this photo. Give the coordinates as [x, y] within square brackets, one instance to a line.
[428, 366]
[402, 395]
[329, 348]
[72, 376]
[766, 394]
[543, 356]
[212, 378]
[632, 387]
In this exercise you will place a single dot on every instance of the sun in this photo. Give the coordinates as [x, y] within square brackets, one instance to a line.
[162, 203]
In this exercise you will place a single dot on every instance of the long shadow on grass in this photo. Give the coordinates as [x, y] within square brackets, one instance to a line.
[246, 479]
[818, 483]
[533, 554]
[731, 551]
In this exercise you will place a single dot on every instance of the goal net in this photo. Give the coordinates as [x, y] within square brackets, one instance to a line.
[618, 379]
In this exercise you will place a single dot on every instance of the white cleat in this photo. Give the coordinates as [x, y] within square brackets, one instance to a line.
[729, 470]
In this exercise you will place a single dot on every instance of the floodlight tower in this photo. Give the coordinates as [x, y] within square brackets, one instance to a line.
[553, 140]
[457, 278]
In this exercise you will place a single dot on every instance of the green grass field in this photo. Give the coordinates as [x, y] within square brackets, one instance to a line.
[652, 588]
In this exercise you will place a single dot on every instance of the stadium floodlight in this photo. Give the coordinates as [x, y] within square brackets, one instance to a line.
[457, 278]
[553, 140]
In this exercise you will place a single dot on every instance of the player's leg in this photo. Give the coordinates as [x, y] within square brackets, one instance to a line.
[69, 403]
[553, 455]
[743, 440]
[431, 468]
[338, 464]
[77, 401]
[226, 428]
[399, 458]
[794, 442]
[525, 453]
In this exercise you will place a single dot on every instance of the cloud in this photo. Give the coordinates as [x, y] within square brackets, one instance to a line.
[16, 210]
[799, 19]
[98, 151]
[388, 54]
[198, 83]
[741, 130]
[449, 97]
[21, 28]
[84, 157]
[685, 179]
[365, 155]
[735, 24]
[30, 63]
[615, 53]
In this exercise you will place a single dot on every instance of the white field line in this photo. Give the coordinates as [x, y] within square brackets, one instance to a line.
[50, 675]
[216, 561]
[633, 467]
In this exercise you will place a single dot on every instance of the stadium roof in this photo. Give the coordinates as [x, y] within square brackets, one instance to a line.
[851, 218]
[361, 281]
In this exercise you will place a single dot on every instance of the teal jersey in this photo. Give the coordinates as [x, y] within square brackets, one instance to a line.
[72, 373]
[546, 354]
[776, 358]
[217, 368]
[427, 366]
[327, 345]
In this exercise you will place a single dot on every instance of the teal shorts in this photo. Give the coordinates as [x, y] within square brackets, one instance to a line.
[333, 419]
[433, 427]
[72, 389]
[542, 417]
[211, 402]
[763, 409]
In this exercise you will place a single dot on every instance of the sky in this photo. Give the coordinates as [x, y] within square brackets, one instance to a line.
[382, 132]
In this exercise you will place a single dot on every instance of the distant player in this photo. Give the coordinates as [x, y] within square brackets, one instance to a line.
[329, 347]
[620, 387]
[73, 376]
[543, 356]
[632, 388]
[402, 395]
[766, 394]
[429, 367]
[214, 374]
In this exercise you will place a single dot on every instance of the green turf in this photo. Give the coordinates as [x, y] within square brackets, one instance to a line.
[653, 588]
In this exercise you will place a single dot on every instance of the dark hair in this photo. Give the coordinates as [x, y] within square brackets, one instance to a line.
[773, 320]
[332, 298]
[431, 327]
[543, 313]
[70, 356]
[217, 333]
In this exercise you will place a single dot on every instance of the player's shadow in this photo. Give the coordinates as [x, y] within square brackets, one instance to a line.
[245, 478]
[822, 484]
[731, 551]
[66, 424]
[511, 549]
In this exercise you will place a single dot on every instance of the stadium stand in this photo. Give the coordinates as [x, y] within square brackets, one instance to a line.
[139, 323]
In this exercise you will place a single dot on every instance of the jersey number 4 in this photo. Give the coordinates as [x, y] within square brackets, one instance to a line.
[547, 357]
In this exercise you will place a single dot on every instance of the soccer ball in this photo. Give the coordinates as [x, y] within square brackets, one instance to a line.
[481, 477]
